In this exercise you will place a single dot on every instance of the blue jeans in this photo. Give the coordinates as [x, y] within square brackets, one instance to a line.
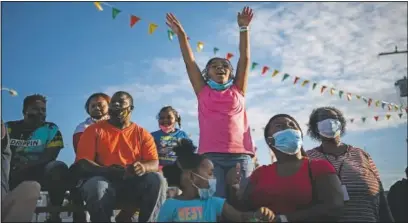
[223, 163]
[148, 192]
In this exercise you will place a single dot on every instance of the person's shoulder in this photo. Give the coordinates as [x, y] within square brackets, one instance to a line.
[320, 167]
[51, 125]
[217, 200]
[13, 124]
[156, 133]
[82, 126]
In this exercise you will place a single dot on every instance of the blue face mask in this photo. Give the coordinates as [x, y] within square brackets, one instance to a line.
[206, 193]
[219, 87]
[329, 128]
[288, 141]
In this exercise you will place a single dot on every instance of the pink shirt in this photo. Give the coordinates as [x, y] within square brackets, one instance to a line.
[223, 122]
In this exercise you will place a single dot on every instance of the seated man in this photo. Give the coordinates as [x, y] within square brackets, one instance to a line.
[119, 161]
[35, 145]
[17, 205]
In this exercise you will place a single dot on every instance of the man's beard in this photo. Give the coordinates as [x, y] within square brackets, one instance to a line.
[35, 120]
[119, 115]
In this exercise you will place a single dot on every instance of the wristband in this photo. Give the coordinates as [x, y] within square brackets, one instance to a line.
[283, 218]
[243, 29]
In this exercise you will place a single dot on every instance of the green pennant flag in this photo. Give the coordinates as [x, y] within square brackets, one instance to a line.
[285, 76]
[400, 115]
[215, 50]
[115, 12]
[365, 99]
[314, 86]
[254, 64]
[340, 93]
[170, 34]
[363, 119]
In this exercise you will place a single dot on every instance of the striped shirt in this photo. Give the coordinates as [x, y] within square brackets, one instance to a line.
[361, 178]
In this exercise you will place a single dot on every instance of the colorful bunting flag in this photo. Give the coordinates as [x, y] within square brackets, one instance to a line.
[170, 34]
[352, 120]
[305, 82]
[383, 104]
[349, 96]
[358, 96]
[254, 64]
[369, 102]
[98, 6]
[296, 79]
[365, 100]
[363, 119]
[133, 20]
[152, 28]
[285, 76]
[215, 50]
[396, 108]
[377, 103]
[200, 46]
[376, 118]
[322, 89]
[229, 56]
[389, 107]
[388, 116]
[400, 115]
[265, 69]
[332, 90]
[341, 93]
[314, 86]
[275, 72]
[115, 12]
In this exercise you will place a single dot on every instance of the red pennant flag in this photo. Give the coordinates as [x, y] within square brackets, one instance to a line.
[296, 80]
[229, 56]
[133, 20]
[322, 89]
[369, 102]
[264, 70]
[388, 116]
[376, 118]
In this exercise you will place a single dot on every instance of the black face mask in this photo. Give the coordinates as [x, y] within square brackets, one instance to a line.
[36, 118]
[120, 114]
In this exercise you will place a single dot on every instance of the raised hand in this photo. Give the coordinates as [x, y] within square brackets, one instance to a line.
[174, 24]
[245, 17]
[234, 176]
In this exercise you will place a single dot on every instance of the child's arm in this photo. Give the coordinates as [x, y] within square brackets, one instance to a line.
[241, 79]
[193, 70]
[263, 214]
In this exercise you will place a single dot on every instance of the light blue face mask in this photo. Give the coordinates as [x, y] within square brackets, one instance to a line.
[206, 193]
[329, 128]
[288, 141]
[219, 87]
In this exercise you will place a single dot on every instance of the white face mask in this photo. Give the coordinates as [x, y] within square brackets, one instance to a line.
[329, 128]
[206, 193]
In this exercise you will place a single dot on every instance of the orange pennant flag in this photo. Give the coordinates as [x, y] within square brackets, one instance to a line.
[322, 89]
[369, 102]
[275, 72]
[152, 28]
[98, 6]
[229, 56]
[349, 96]
[388, 116]
[133, 20]
[305, 82]
[332, 91]
[296, 80]
[264, 70]
[376, 118]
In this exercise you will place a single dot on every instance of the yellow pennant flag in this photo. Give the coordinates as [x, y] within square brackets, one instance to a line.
[332, 91]
[152, 28]
[388, 116]
[377, 103]
[358, 96]
[275, 72]
[98, 6]
[305, 82]
[200, 46]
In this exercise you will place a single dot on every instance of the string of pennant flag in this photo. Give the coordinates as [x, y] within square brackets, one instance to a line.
[391, 107]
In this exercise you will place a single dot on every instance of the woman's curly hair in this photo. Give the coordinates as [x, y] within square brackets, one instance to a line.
[312, 130]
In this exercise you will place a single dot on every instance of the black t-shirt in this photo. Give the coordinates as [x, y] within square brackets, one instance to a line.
[5, 164]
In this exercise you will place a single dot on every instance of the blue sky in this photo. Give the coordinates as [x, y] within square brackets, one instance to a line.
[68, 50]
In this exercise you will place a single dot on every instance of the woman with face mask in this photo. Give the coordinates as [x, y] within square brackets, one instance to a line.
[294, 187]
[193, 174]
[364, 199]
